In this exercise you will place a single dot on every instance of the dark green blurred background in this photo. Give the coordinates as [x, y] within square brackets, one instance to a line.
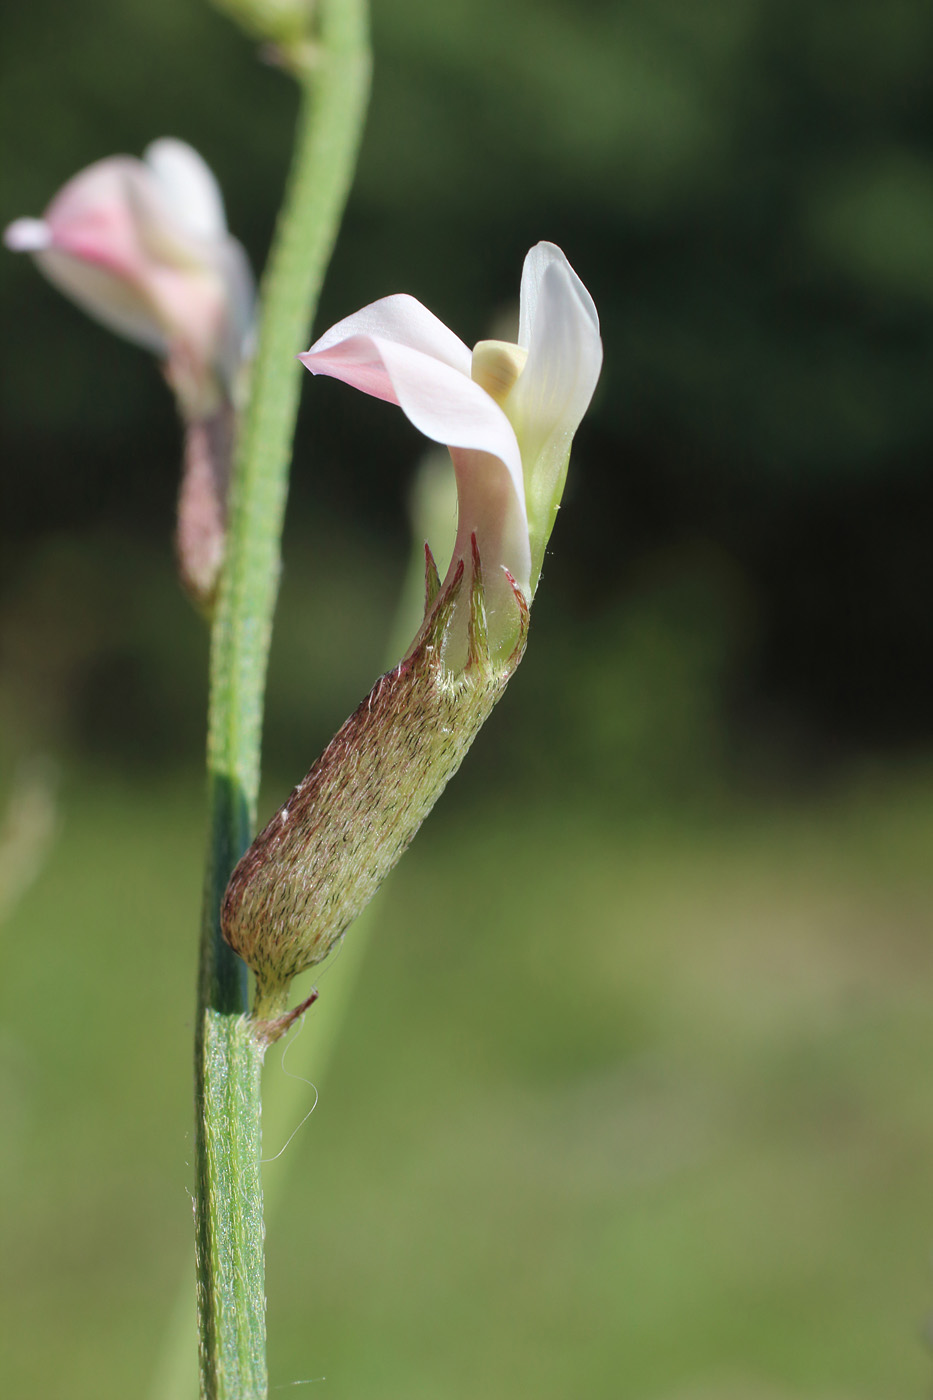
[634, 1097]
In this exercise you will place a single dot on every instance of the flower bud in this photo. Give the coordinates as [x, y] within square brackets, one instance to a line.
[324, 854]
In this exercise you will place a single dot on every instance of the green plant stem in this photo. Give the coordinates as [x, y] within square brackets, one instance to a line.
[286, 1099]
[228, 1196]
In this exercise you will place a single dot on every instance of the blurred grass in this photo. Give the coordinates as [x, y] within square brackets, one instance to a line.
[634, 1095]
[622, 1106]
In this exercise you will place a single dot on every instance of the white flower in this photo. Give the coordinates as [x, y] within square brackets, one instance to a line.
[508, 413]
[143, 247]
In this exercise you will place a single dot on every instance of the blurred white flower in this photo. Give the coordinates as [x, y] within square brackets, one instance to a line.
[143, 247]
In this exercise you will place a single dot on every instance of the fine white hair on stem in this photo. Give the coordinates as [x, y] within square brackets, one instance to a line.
[301, 1080]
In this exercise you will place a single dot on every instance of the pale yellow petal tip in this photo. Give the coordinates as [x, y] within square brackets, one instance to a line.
[496, 366]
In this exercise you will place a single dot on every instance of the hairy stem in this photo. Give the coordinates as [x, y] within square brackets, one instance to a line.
[229, 1228]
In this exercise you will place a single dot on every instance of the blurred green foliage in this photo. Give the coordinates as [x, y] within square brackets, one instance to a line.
[648, 1114]
[745, 185]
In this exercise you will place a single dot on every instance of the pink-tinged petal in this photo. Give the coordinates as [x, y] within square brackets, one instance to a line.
[401, 320]
[489, 507]
[443, 403]
[93, 253]
[440, 400]
[188, 187]
[91, 218]
[108, 298]
[560, 330]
